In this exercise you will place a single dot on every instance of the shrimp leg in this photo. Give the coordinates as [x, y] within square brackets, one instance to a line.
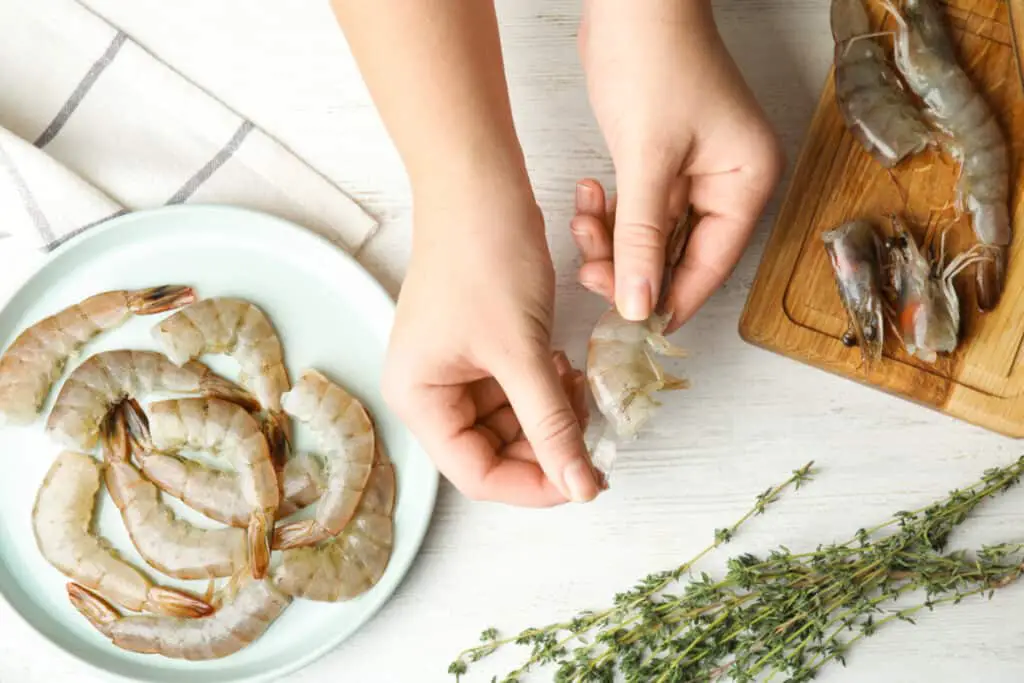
[37, 357]
[61, 518]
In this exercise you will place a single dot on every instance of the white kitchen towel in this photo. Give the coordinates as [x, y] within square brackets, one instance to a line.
[93, 126]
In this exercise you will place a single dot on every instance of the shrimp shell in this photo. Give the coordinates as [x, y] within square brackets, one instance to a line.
[347, 443]
[348, 565]
[36, 358]
[926, 58]
[171, 545]
[61, 517]
[235, 327]
[244, 615]
[106, 378]
[224, 428]
[876, 107]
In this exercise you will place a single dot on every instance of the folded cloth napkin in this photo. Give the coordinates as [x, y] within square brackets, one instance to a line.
[93, 126]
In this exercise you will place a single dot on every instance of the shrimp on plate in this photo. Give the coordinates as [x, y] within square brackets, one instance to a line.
[106, 378]
[61, 519]
[856, 254]
[37, 357]
[225, 429]
[347, 443]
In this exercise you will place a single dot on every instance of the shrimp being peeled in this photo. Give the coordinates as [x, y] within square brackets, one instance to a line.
[345, 434]
[218, 493]
[875, 105]
[107, 378]
[36, 358]
[927, 306]
[926, 58]
[226, 429]
[856, 252]
[240, 329]
[348, 565]
[246, 609]
[169, 544]
[61, 519]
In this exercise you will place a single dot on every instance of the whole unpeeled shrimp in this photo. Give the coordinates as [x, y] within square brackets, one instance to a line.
[227, 429]
[926, 58]
[61, 521]
[348, 565]
[36, 358]
[345, 434]
[876, 107]
[240, 329]
[244, 614]
[171, 545]
[927, 306]
[855, 252]
[106, 378]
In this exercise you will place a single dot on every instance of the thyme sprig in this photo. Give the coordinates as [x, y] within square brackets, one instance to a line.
[785, 614]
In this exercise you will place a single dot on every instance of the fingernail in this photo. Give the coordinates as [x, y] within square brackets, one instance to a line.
[580, 481]
[586, 198]
[583, 239]
[594, 286]
[636, 304]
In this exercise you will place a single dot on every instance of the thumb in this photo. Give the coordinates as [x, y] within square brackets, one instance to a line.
[640, 234]
[536, 394]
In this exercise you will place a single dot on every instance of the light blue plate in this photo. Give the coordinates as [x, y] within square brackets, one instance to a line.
[330, 314]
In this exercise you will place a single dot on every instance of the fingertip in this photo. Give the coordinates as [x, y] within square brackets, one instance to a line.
[590, 198]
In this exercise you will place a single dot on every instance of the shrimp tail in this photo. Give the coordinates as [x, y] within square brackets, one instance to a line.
[990, 275]
[115, 439]
[160, 299]
[94, 608]
[298, 534]
[137, 425]
[219, 387]
[278, 440]
[260, 538]
[176, 603]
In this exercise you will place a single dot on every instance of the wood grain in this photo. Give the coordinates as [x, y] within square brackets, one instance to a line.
[794, 309]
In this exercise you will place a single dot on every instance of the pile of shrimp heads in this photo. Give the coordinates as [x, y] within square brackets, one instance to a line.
[147, 453]
[897, 108]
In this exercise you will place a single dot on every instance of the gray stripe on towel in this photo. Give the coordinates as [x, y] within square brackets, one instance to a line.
[81, 90]
[78, 231]
[218, 160]
[27, 198]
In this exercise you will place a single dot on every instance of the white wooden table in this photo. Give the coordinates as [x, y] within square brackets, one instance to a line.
[750, 418]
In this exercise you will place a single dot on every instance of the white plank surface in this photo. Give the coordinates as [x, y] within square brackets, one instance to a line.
[749, 419]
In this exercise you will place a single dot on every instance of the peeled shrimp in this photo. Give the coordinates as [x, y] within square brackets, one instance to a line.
[171, 545]
[218, 493]
[36, 358]
[926, 58]
[210, 424]
[61, 518]
[874, 103]
[347, 443]
[855, 252]
[240, 329]
[106, 378]
[927, 306]
[244, 614]
[344, 567]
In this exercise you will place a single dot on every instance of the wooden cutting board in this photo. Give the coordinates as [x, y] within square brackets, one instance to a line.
[794, 308]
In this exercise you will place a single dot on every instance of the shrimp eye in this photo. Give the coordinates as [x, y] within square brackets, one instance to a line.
[849, 339]
[869, 333]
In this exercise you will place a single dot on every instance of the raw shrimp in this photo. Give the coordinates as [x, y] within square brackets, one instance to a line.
[218, 493]
[876, 107]
[855, 252]
[347, 443]
[244, 614]
[927, 306]
[925, 56]
[36, 358]
[350, 564]
[171, 545]
[61, 518]
[227, 429]
[240, 329]
[106, 378]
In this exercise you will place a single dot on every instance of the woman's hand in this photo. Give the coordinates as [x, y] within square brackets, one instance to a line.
[683, 129]
[470, 367]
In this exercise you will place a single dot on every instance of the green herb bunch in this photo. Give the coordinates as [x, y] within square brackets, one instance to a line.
[785, 615]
